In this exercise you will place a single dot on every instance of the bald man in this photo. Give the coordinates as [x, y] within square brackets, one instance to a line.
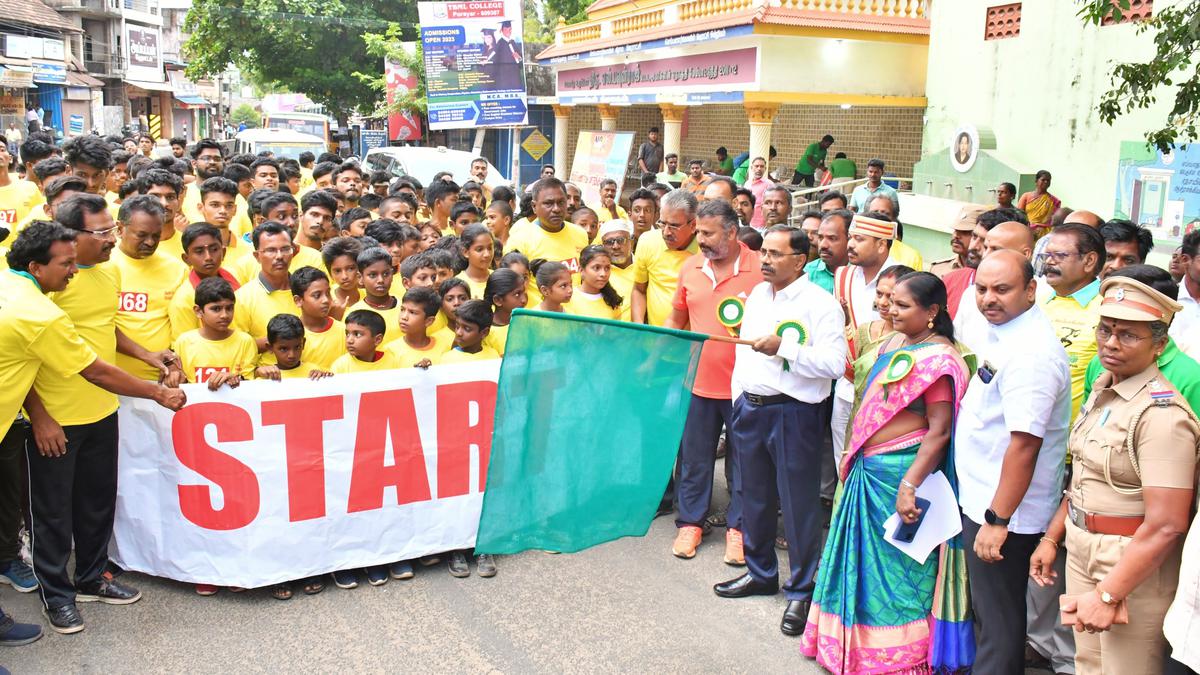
[1086, 217]
[1012, 236]
[970, 326]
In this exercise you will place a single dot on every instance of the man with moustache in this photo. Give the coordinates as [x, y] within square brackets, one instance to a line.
[960, 280]
[208, 161]
[970, 326]
[712, 291]
[348, 179]
[776, 206]
[833, 235]
[660, 255]
[960, 239]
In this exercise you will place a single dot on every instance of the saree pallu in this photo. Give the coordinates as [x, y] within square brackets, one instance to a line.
[1041, 208]
[876, 610]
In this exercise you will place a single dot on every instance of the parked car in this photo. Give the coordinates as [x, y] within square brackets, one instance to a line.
[284, 143]
[422, 163]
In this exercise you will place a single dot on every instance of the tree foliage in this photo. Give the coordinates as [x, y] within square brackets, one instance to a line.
[304, 46]
[393, 44]
[245, 113]
[1173, 71]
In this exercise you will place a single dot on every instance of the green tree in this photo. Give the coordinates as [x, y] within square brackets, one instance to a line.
[244, 112]
[1172, 71]
[391, 45]
[306, 46]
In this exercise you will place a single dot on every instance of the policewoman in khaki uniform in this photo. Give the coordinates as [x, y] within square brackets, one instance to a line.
[1130, 496]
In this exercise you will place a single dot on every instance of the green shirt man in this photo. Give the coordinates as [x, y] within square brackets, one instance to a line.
[812, 159]
[841, 167]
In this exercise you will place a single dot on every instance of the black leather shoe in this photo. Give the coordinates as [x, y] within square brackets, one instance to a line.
[794, 617]
[65, 619]
[745, 586]
[110, 592]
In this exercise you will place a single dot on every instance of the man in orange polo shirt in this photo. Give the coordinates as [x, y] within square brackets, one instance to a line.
[713, 287]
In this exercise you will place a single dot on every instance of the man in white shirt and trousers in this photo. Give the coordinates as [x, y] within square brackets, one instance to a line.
[1010, 441]
[778, 386]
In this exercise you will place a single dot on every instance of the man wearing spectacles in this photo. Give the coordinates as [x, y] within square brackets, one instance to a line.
[617, 238]
[259, 300]
[1010, 442]
[208, 161]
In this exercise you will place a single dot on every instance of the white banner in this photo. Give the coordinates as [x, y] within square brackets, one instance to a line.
[275, 481]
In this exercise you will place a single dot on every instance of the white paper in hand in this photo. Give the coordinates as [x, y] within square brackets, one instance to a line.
[941, 522]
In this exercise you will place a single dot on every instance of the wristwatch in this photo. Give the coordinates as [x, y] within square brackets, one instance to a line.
[1106, 597]
[991, 518]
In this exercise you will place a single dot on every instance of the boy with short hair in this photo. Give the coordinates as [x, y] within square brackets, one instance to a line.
[445, 261]
[463, 214]
[375, 273]
[340, 256]
[473, 320]
[204, 254]
[285, 339]
[215, 353]
[419, 271]
[417, 348]
[324, 336]
[364, 335]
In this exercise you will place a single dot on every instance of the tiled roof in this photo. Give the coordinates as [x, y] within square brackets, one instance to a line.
[848, 21]
[34, 13]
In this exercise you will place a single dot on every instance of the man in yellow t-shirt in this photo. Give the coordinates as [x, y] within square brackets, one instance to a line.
[608, 208]
[261, 298]
[17, 197]
[550, 237]
[1073, 258]
[166, 187]
[660, 255]
[39, 343]
[149, 278]
[208, 161]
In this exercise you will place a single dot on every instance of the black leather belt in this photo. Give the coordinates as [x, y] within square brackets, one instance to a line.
[758, 401]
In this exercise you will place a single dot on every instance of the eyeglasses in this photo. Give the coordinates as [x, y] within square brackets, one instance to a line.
[1126, 338]
[276, 252]
[672, 226]
[1057, 256]
[102, 234]
[216, 159]
[768, 254]
[616, 241]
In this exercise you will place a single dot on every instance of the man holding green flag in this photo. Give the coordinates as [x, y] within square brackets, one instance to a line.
[778, 386]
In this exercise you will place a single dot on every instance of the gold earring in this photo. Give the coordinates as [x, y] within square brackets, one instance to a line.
[930, 324]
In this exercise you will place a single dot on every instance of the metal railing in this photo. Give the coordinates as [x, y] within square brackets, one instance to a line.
[803, 198]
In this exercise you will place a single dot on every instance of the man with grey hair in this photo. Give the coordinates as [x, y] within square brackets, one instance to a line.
[713, 286]
[659, 256]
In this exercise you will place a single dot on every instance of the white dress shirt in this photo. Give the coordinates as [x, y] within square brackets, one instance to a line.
[1185, 328]
[811, 366]
[970, 326]
[1030, 393]
[862, 293]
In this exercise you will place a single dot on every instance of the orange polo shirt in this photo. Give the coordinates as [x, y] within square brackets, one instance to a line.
[700, 293]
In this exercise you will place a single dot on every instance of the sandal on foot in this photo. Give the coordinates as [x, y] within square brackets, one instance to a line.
[313, 585]
[282, 592]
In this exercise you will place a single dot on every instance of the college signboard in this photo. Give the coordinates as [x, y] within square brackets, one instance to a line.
[600, 155]
[474, 63]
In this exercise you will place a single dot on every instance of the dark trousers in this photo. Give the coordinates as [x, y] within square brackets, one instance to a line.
[12, 491]
[806, 178]
[779, 449]
[828, 467]
[73, 497]
[998, 601]
[1173, 667]
[698, 454]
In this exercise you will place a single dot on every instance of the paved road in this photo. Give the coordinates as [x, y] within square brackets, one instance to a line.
[626, 606]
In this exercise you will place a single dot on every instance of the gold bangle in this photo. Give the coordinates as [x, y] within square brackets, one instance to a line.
[1055, 543]
[908, 485]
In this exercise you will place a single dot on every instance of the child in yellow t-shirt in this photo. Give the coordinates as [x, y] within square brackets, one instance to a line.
[554, 283]
[214, 353]
[479, 251]
[375, 270]
[595, 296]
[364, 336]
[324, 336]
[416, 347]
[454, 292]
[506, 291]
[340, 255]
[286, 342]
[472, 321]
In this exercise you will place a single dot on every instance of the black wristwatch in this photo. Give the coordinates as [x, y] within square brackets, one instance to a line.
[991, 518]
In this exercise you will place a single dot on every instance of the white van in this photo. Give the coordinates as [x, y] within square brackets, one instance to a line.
[284, 143]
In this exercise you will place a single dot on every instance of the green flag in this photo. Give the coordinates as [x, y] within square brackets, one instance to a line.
[589, 413]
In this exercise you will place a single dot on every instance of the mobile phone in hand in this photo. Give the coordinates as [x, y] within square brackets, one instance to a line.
[907, 531]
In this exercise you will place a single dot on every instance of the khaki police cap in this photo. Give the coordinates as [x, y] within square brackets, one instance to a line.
[968, 217]
[1130, 300]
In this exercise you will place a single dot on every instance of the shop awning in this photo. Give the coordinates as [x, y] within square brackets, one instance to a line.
[150, 86]
[78, 79]
[192, 100]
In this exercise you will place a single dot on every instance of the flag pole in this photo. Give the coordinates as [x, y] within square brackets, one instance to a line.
[731, 340]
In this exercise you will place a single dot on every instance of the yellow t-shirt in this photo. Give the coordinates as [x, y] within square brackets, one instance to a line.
[391, 319]
[562, 246]
[173, 247]
[408, 356]
[604, 215]
[257, 305]
[203, 358]
[658, 267]
[622, 280]
[189, 203]
[300, 372]
[35, 333]
[476, 287]
[348, 364]
[906, 255]
[587, 304]
[88, 301]
[17, 200]
[147, 288]
[323, 348]
[457, 355]
[497, 339]
[1074, 319]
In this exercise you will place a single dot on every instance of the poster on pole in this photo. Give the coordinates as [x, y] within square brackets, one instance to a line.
[403, 125]
[474, 63]
[600, 155]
